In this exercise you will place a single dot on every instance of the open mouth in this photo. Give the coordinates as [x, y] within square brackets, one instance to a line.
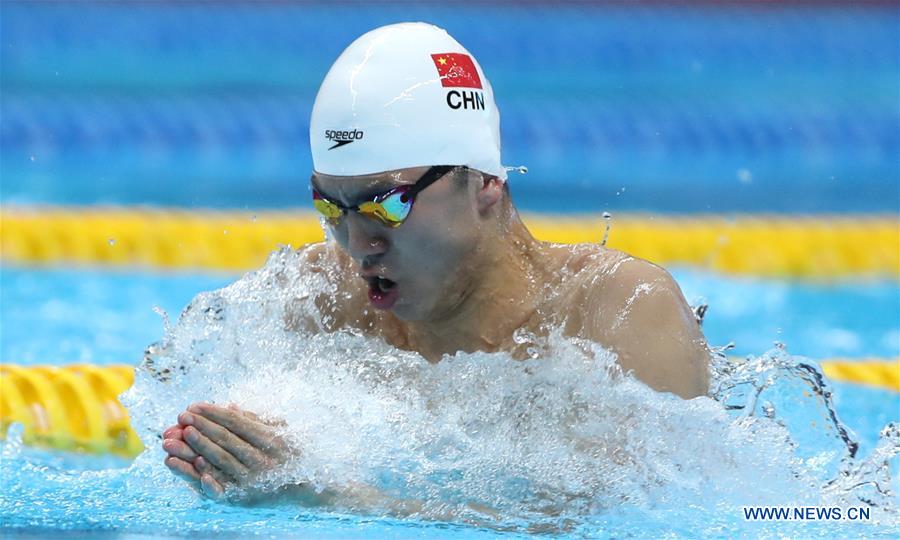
[382, 291]
[380, 284]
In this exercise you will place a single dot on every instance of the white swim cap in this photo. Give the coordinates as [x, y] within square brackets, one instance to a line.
[405, 95]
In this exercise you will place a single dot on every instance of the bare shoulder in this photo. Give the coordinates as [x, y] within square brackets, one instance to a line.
[610, 276]
[341, 303]
[622, 277]
[329, 260]
[637, 308]
[321, 257]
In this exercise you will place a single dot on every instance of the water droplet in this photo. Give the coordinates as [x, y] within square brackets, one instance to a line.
[111, 241]
[744, 176]
[520, 336]
[165, 316]
[31, 158]
[607, 218]
[225, 231]
[768, 409]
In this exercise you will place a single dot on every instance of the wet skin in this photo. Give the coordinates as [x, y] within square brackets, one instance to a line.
[468, 274]
[216, 445]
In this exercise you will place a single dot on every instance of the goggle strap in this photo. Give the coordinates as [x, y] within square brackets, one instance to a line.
[431, 176]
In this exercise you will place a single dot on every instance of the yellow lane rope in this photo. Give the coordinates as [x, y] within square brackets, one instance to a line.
[819, 247]
[76, 407]
[868, 371]
[69, 408]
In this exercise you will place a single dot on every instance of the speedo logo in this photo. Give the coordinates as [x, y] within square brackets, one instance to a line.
[341, 138]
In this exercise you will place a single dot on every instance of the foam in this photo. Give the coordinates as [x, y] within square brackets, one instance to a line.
[481, 437]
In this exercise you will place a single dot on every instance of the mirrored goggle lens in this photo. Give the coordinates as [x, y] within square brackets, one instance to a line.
[327, 208]
[376, 211]
[391, 210]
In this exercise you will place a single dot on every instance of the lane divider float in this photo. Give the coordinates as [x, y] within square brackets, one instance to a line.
[76, 407]
[819, 247]
[73, 408]
[867, 371]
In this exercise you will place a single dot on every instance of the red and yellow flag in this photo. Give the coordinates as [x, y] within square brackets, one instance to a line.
[456, 70]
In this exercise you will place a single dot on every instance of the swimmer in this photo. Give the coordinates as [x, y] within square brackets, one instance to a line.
[429, 252]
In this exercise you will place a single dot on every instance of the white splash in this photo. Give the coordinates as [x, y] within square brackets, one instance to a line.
[477, 437]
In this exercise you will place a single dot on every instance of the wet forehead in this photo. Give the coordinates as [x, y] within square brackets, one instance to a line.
[354, 189]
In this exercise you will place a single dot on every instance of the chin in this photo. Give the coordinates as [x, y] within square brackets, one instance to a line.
[411, 311]
[407, 313]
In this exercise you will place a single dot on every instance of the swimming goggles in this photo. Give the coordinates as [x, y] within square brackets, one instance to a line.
[390, 208]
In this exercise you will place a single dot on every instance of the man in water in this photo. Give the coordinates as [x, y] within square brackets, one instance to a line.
[431, 255]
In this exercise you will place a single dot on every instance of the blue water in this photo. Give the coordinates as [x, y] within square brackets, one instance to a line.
[782, 108]
[737, 108]
[106, 317]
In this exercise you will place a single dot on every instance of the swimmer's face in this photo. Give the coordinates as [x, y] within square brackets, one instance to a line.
[421, 263]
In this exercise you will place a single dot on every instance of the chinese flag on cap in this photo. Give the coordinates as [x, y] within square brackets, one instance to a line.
[456, 70]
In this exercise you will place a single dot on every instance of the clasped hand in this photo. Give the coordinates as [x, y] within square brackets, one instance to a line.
[222, 446]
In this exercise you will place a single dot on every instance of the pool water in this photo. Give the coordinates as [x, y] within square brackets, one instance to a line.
[165, 103]
[108, 317]
[783, 108]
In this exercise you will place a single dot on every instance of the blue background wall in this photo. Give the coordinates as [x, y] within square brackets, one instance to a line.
[771, 107]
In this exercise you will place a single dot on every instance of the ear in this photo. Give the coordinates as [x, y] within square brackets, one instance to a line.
[489, 193]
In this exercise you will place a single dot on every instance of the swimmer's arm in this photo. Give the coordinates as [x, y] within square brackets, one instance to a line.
[653, 330]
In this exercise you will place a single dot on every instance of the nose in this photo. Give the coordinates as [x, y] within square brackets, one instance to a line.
[364, 242]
